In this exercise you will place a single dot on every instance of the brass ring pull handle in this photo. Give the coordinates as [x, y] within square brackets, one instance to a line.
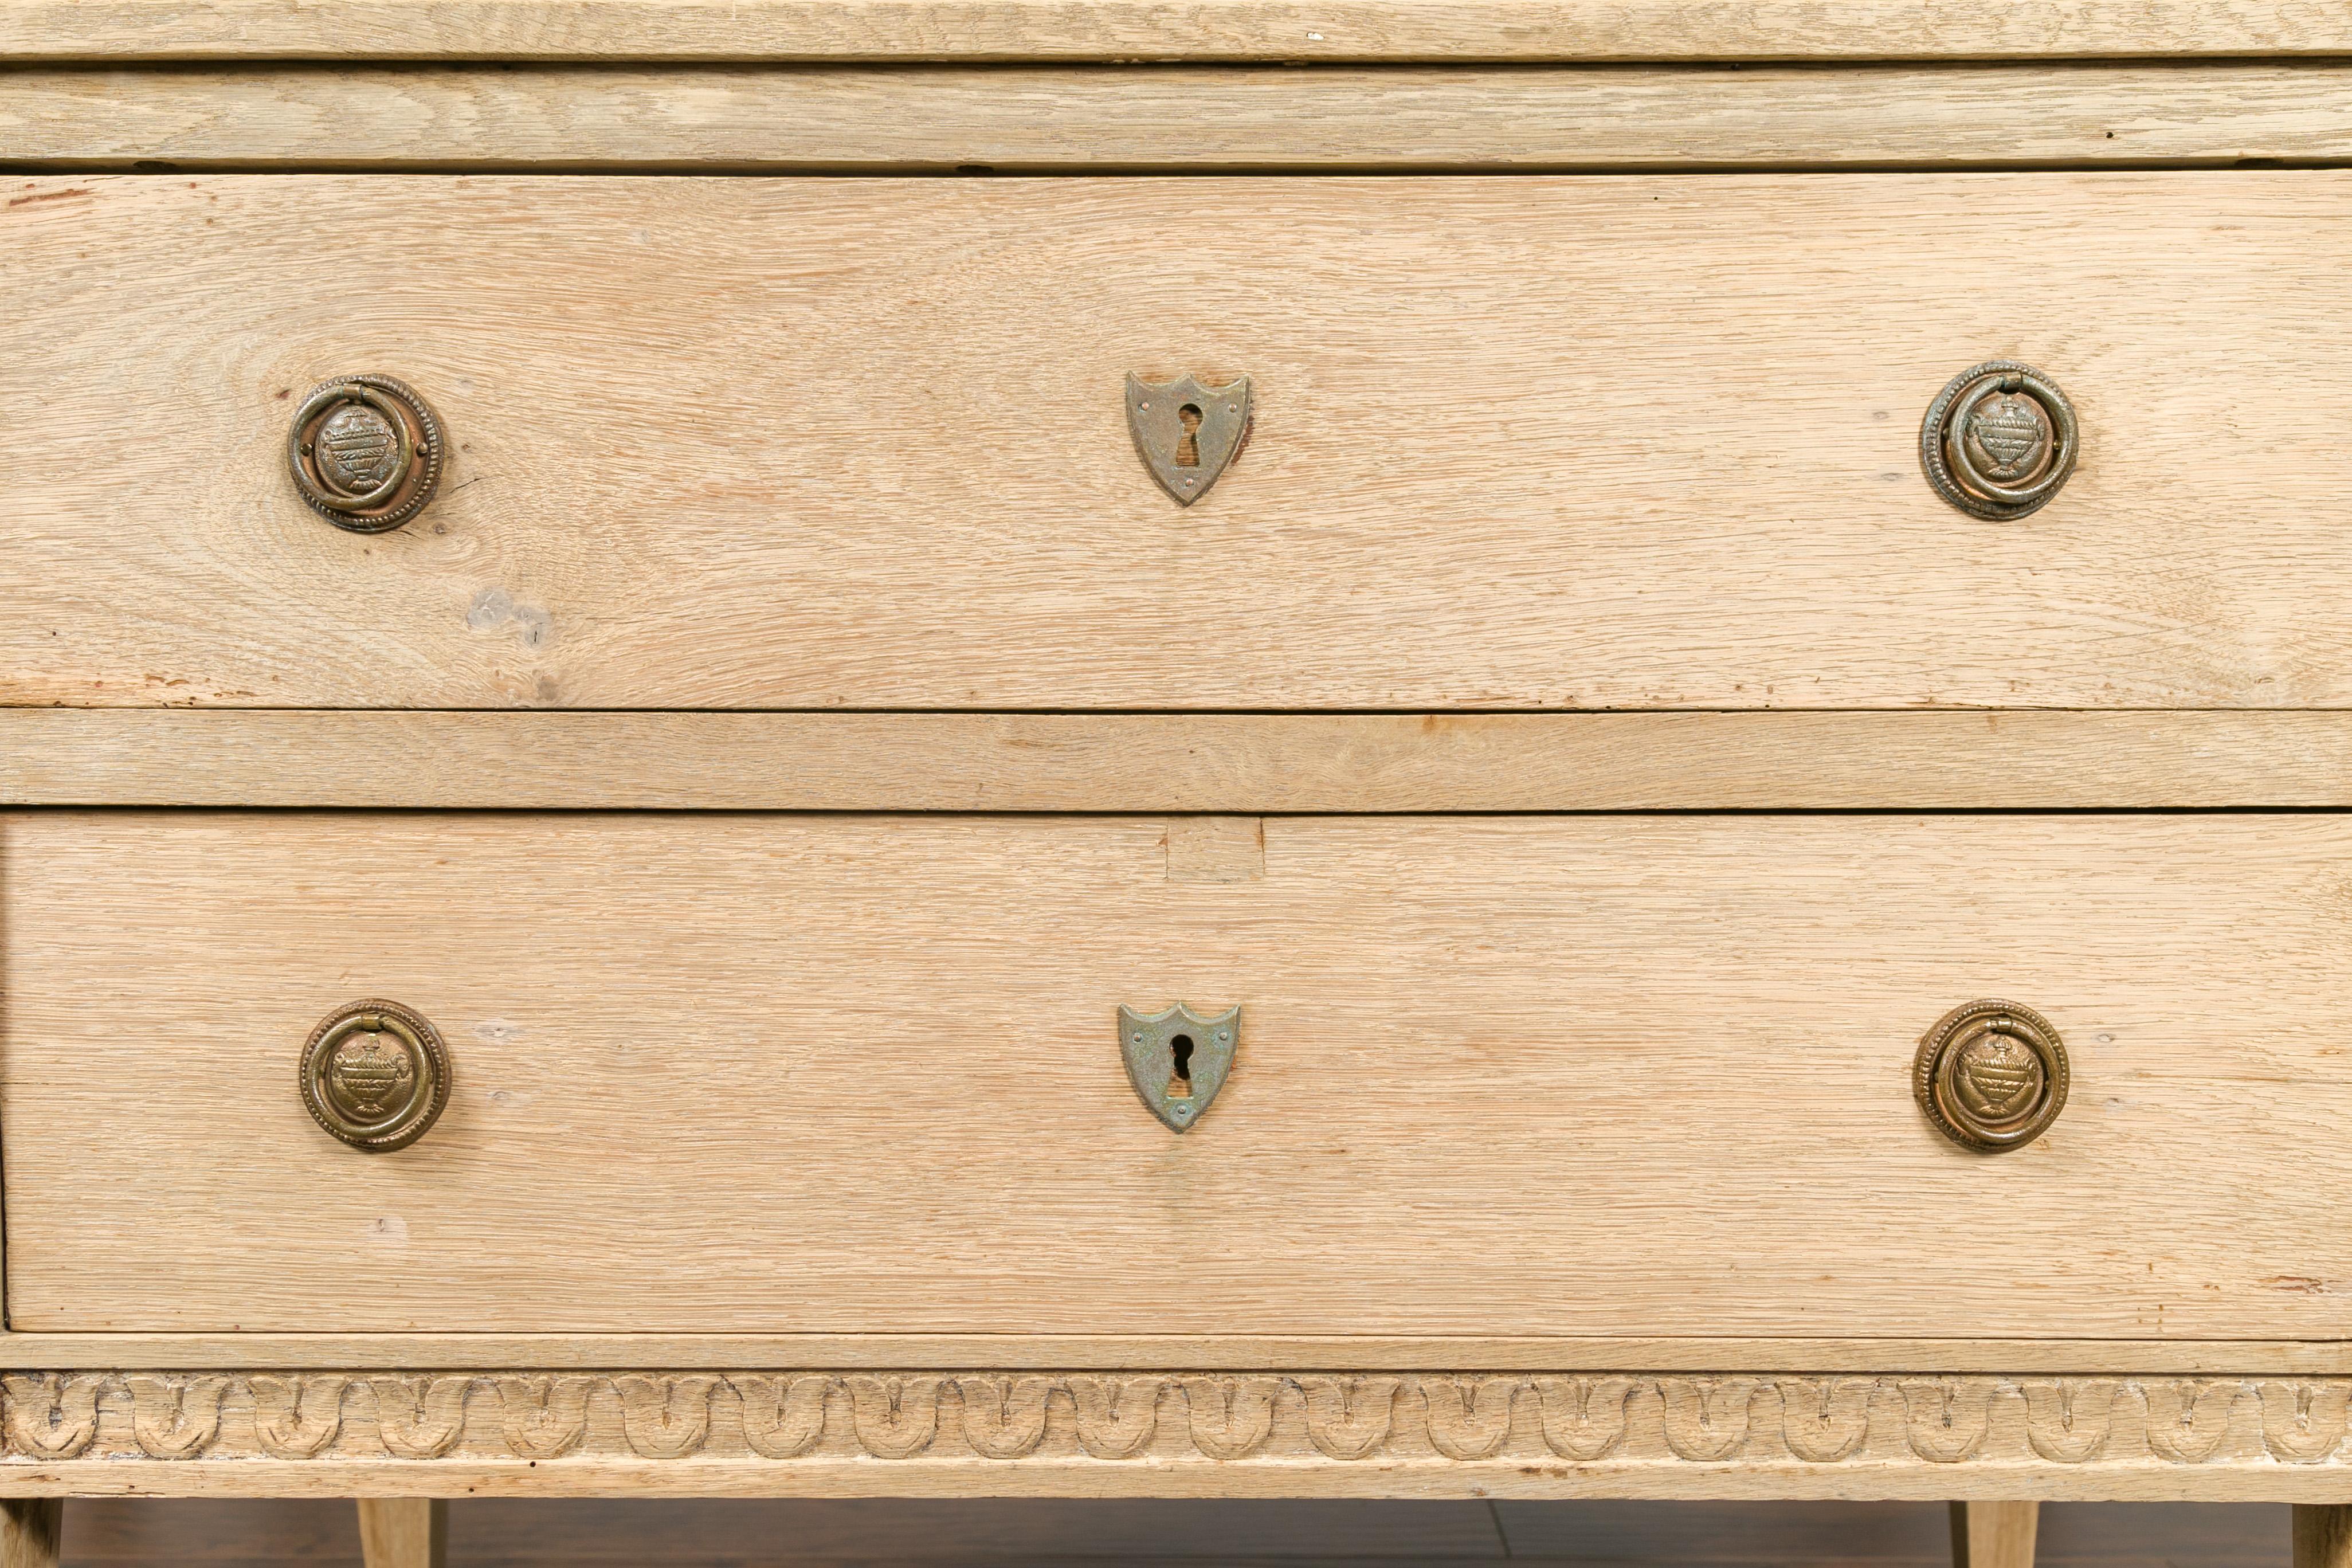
[2000, 441]
[366, 452]
[1992, 1076]
[375, 1075]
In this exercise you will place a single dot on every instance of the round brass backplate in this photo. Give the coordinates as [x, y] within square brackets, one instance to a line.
[2000, 441]
[366, 452]
[1992, 1076]
[375, 1075]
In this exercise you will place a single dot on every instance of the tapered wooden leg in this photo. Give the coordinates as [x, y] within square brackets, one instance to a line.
[404, 1532]
[29, 1530]
[1994, 1534]
[2323, 1535]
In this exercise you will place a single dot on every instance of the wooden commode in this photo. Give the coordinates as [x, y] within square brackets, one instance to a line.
[1384, 748]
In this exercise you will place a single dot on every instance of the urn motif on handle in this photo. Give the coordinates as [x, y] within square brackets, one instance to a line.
[1998, 441]
[375, 1075]
[366, 452]
[1992, 1076]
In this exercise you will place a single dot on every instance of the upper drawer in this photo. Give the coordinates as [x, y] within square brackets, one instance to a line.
[1525, 442]
[1495, 1076]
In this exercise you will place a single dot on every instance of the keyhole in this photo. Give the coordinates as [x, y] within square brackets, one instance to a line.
[1180, 1061]
[1188, 449]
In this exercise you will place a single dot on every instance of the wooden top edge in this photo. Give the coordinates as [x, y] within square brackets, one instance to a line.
[382, 31]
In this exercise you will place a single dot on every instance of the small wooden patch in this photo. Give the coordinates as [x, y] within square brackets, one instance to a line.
[1216, 849]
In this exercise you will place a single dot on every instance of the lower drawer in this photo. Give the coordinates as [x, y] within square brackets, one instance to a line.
[1524, 1076]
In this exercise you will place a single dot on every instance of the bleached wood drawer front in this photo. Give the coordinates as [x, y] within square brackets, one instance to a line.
[1502, 1075]
[1518, 443]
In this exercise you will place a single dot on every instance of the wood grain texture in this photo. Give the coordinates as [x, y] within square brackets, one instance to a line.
[2323, 1536]
[1225, 1352]
[372, 30]
[812, 444]
[1216, 850]
[1191, 118]
[1228, 763]
[1517, 1076]
[1994, 1534]
[31, 1530]
[1229, 1353]
[924, 1432]
[403, 1532]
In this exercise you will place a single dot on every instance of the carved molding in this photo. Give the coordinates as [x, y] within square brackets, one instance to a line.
[1601, 1420]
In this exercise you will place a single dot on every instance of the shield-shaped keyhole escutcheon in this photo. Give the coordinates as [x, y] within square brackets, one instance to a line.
[1188, 433]
[1178, 1059]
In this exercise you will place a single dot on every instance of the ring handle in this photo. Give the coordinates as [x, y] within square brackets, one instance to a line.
[2000, 441]
[366, 452]
[1992, 1076]
[403, 448]
[372, 1095]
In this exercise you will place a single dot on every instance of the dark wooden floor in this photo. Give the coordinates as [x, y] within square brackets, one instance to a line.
[997, 1534]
